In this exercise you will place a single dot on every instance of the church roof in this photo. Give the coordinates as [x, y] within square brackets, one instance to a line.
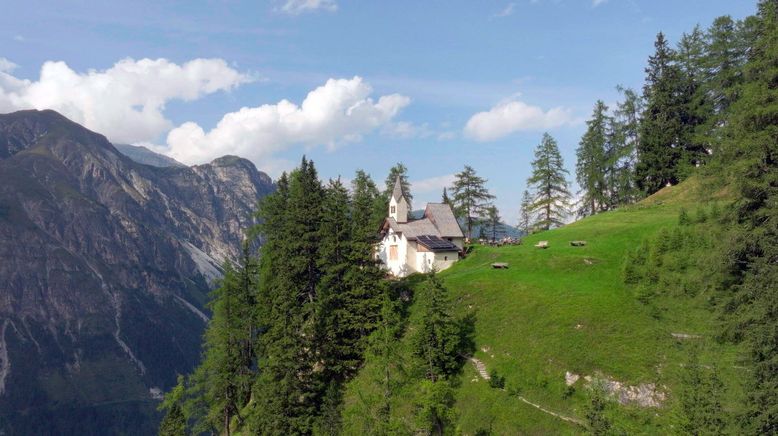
[438, 221]
[397, 192]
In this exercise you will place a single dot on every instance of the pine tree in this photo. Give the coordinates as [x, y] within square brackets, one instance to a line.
[470, 197]
[550, 193]
[398, 170]
[592, 165]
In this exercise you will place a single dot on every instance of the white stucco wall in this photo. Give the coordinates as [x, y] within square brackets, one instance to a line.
[398, 267]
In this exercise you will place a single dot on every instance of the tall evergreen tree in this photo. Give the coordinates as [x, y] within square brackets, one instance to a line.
[592, 166]
[750, 151]
[659, 151]
[470, 197]
[621, 153]
[437, 342]
[493, 219]
[700, 396]
[550, 193]
[289, 389]
[398, 170]
[444, 199]
[525, 213]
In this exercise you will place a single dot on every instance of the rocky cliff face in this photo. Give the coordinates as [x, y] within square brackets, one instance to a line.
[105, 265]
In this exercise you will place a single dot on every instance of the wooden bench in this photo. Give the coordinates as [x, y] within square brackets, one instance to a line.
[500, 265]
[578, 243]
[542, 244]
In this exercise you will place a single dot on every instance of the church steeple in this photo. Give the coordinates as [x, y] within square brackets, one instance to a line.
[398, 205]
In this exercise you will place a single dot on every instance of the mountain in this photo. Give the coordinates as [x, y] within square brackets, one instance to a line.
[143, 155]
[106, 266]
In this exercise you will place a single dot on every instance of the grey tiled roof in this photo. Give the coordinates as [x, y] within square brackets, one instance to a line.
[398, 189]
[444, 220]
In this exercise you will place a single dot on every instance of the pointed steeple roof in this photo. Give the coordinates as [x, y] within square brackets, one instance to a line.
[397, 193]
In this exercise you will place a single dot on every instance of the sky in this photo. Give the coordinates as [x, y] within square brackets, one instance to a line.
[353, 85]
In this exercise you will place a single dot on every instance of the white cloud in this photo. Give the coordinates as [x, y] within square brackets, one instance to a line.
[507, 10]
[337, 112]
[596, 3]
[18, 38]
[432, 184]
[6, 66]
[297, 7]
[124, 102]
[512, 116]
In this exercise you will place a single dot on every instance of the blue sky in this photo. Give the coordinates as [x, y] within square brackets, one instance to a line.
[435, 84]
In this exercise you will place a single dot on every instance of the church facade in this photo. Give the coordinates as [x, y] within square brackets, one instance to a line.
[434, 241]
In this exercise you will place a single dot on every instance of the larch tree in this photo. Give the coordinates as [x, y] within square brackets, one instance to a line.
[525, 213]
[493, 219]
[592, 165]
[548, 186]
[621, 153]
[470, 197]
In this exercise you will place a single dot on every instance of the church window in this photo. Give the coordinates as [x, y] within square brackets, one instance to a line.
[392, 209]
[392, 252]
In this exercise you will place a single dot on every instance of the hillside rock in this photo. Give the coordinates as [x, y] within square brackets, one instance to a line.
[105, 266]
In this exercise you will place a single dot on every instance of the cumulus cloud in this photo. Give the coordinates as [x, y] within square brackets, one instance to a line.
[337, 112]
[512, 116]
[297, 7]
[124, 102]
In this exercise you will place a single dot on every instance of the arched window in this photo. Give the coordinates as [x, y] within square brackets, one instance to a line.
[392, 209]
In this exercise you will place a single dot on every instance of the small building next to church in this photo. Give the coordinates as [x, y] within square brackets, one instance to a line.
[434, 241]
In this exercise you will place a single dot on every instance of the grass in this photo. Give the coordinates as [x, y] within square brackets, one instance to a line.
[567, 308]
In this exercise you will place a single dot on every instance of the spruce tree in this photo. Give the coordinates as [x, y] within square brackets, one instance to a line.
[470, 197]
[398, 170]
[444, 199]
[661, 131]
[436, 343]
[700, 396]
[550, 193]
[592, 166]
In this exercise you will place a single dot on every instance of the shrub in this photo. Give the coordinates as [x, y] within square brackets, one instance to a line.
[496, 381]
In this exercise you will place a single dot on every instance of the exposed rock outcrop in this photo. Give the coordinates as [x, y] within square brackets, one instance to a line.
[104, 272]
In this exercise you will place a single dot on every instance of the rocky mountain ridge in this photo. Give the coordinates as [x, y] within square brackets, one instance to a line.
[106, 266]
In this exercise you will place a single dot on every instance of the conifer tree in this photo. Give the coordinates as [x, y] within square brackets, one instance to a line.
[592, 166]
[525, 213]
[622, 152]
[174, 421]
[750, 149]
[445, 199]
[550, 193]
[470, 197]
[436, 343]
[493, 218]
[701, 410]
[398, 170]
[662, 130]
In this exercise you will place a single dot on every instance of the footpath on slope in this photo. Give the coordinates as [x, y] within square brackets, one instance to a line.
[480, 367]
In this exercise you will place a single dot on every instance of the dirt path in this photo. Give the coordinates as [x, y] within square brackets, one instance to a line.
[480, 367]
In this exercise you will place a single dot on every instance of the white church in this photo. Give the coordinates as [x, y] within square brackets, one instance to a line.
[433, 242]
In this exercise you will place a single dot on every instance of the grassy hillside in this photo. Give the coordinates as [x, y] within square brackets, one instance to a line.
[567, 309]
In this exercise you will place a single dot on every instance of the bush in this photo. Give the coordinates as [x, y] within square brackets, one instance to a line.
[683, 218]
[568, 392]
[702, 215]
[496, 381]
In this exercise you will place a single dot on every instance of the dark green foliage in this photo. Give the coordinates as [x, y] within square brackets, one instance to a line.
[470, 197]
[496, 380]
[174, 422]
[700, 397]
[621, 150]
[437, 342]
[493, 220]
[598, 423]
[401, 171]
[548, 186]
[434, 411]
[592, 165]
[444, 199]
